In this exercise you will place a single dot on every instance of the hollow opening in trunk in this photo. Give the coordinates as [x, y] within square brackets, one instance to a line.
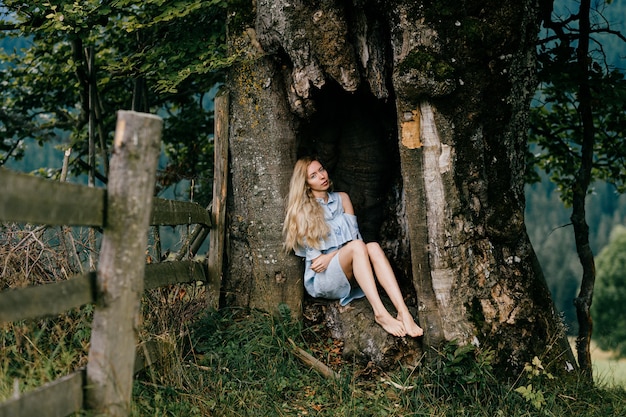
[355, 136]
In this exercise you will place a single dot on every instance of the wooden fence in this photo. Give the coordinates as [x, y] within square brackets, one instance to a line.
[124, 211]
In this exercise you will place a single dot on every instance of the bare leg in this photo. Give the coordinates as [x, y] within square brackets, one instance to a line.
[354, 261]
[388, 281]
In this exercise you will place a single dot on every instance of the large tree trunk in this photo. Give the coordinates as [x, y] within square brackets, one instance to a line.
[463, 77]
[419, 111]
[262, 154]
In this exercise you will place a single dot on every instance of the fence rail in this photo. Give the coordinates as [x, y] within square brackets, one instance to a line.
[30, 199]
[36, 200]
[58, 297]
[105, 385]
[58, 398]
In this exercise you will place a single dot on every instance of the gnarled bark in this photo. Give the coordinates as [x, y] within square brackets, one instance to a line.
[419, 110]
[262, 154]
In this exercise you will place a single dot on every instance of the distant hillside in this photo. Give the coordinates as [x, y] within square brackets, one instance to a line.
[552, 236]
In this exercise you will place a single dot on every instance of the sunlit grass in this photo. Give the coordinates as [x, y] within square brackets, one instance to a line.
[608, 369]
[610, 372]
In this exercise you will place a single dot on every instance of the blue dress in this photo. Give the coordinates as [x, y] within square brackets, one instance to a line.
[332, 283]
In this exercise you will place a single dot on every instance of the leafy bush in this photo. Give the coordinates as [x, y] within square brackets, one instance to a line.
[609, 315]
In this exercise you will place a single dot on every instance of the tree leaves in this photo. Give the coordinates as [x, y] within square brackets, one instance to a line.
[555, 122]
[608, 309]
[158, 56]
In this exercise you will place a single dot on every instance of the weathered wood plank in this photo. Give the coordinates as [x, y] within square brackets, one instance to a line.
[172, 212]
[166, 273]
[193, 242]
[121, 265]
[47, 299]
[28, 199]
[58, 297]
[220, 183]
[58, 398]
[150, 352]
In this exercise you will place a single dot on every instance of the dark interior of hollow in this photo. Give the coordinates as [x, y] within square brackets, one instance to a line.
[355, 136]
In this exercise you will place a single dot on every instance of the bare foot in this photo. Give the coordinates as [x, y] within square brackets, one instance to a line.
[391, 325]
[412, 329]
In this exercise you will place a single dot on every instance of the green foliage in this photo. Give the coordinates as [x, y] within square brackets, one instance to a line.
[238, 362]
[555, 123]
[465, 367]
[610, 295]
[155, 56]
[557, 130]
[533, 394]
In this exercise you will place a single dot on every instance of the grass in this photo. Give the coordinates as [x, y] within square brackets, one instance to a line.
[608, 369]
[610, 372]
[241, 363]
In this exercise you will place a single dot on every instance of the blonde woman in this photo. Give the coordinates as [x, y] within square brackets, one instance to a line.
[321, 227]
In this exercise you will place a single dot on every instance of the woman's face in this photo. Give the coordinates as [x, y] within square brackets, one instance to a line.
[317, 177]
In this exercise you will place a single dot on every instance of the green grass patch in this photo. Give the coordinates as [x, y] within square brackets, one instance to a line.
[609, 369]
[241, 363]
[236, 362]
[34, 352]
[610, 372]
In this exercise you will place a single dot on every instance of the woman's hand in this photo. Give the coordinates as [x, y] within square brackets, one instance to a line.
[320, 264]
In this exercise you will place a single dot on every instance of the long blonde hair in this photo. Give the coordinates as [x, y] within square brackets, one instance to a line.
[304, 219]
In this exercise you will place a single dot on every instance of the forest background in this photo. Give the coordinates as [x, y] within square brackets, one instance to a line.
[547, 218]
[547, 221]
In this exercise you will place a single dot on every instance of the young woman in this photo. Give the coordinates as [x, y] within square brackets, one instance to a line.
[321, 227]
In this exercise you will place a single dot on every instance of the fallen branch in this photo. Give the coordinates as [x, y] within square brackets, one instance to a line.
[314, 363]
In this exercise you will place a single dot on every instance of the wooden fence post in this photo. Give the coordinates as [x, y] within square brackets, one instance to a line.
[121, 266]
[220, 181]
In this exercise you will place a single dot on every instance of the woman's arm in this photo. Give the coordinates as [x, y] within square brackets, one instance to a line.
[320, 264]
[346, 203]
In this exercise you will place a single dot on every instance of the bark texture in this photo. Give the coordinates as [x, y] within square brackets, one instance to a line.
[463, 77]
[419, 111]
[121, 266]
[580, 189]
[262, 155]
